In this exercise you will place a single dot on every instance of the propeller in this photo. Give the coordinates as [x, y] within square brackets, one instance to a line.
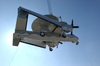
[73, 27]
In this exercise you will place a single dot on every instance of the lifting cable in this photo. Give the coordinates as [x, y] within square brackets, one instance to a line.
[49, 6]
[14, 56]
[86, 56]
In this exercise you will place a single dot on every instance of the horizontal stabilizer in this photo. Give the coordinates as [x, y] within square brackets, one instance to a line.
[37, 43]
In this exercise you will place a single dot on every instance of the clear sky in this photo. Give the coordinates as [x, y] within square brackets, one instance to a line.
[86, 14]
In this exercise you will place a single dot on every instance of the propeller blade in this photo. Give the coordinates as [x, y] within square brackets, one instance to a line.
[72, 22]
[75, 26]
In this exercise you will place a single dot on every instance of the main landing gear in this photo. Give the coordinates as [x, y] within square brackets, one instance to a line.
[50, 49]
[63, 36]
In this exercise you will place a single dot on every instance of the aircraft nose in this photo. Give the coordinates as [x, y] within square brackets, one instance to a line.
[76, 38]
[67, 28]
[70, 29]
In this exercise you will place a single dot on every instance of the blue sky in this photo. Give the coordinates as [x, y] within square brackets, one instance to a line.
[86, 14]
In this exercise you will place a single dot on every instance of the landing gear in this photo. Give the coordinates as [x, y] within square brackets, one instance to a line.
[57, 46]
[50, 49]
[77, 43]
[44, 42]
[63, 36]
[60, 42]
[42, 34]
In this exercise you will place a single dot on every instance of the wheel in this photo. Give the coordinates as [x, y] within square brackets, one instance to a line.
[50, 49]
[44, 42]
[63, 36]
[42, 34]
[77, 43]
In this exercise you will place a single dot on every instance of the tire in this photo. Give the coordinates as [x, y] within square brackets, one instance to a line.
[63, 36]
[50, 49]
[77, 43]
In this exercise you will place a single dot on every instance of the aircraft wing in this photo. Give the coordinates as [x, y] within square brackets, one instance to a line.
[22, 12]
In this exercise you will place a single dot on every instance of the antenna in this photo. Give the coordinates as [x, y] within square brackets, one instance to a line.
[49, 7]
